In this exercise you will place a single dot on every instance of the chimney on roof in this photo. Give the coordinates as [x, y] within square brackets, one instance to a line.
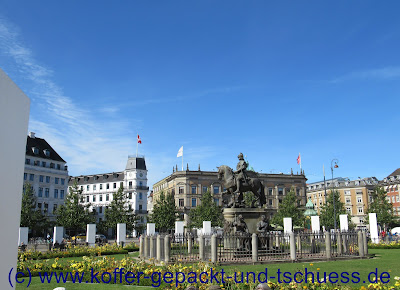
[32, 135]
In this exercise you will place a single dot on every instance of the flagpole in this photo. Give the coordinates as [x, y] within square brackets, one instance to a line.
[182, 161]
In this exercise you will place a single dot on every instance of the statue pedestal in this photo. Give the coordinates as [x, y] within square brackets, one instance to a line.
[251, 216]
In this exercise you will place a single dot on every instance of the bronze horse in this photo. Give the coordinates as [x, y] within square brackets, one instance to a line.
[255, 185]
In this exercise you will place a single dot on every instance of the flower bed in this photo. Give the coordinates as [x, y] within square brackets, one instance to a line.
[391, 245]
[73, 251]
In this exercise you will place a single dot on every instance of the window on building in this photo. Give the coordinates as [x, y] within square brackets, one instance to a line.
[47, 192]
[87, 198]
[108, 186]
[181, 190]
[54, 208]
[194, 189]
[194, 201]
[55, 193]
[100, 197]
[397, 198]
[101, 186]
[94, 187]
[348, 210]
[348, 200]
[107, 197]
[280, 190]
[58, 166]
[216, 200]
[115, 185]
[40, 193]
[62, 193]
[140, 183]
[393, 198]
[140, 207]
[27, 161]
[130, 195]
[280, 200]
[46, 207]
[87, 187]
[360, 210]
[56, 180]
[94, 198]
[31, 177]
[100, 209]
[25, 176]
[43, 163]
[347, 192]
[47, 179]
[39, 206]
[216, 189]
[359, 199]
[140, 195]
[130, 184]
[181, 202]
[205, 188]
[270, 202]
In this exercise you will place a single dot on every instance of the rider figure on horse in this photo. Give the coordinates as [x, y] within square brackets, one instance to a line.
[241, 175]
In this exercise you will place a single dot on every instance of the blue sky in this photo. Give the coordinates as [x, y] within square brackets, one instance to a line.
[266, 78]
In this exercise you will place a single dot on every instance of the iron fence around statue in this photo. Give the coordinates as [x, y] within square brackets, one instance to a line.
[234, 248]
[310, 245]
[273, 247]
[185, 248]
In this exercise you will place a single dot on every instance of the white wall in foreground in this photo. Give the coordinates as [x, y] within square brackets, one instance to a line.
[14, 117]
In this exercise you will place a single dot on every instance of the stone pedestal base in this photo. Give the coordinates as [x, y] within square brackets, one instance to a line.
[251, 216]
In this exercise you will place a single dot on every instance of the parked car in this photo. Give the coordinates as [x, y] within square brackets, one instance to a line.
[80, 237]
[101, 239]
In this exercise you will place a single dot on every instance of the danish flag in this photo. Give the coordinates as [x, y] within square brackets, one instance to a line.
[139, 140]
[299, 159]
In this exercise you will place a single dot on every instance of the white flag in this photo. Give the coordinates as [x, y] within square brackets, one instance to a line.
[180, 152]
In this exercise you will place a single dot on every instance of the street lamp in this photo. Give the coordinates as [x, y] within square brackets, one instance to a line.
[334, 164]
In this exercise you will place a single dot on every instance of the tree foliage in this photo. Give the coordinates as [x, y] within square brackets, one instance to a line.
[207, 210]
[382, 207]
[119, 212]
[289, 208]
[327, 210]
[164, 211]
[31, 217]
[73, 215]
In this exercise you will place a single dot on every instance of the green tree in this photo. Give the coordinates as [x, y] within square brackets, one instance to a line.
[164, 211]
[289, 208]
[31, 217]
[327, 210]
[119, 212]
[382, 207]
[73, 215]
[207, 210]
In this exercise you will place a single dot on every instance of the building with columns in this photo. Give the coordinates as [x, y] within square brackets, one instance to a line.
[98, 189]
[355, 194]
[47, 172]
[187, 187]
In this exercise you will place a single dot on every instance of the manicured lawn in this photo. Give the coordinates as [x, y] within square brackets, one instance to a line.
[385, 261]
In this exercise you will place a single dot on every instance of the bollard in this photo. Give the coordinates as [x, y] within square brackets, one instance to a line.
[154, 249]
[277, 240]
[214, 256]
[292, 242]
[360, 244]
[201, 248]
[365, 243]
[328, 245]
[167, 248]
[158, 254]
[147, 247]
[141, 246]
[254, 247]
[189, 237]
[152, 246]
[299, 243]
[344, 243]
[339, 243]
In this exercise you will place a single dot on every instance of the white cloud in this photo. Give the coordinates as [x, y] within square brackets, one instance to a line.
[88, 144]
[386, 73]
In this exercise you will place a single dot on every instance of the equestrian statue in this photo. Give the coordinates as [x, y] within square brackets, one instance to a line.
[240, 181]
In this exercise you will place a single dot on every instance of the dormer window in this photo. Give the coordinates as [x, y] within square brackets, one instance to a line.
[35, 150]
[46, 152]
[51, 165]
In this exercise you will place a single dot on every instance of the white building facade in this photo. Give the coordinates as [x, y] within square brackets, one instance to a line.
[98, 189]
[47, 172]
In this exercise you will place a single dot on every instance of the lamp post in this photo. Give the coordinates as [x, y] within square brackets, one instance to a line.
[334, 163]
